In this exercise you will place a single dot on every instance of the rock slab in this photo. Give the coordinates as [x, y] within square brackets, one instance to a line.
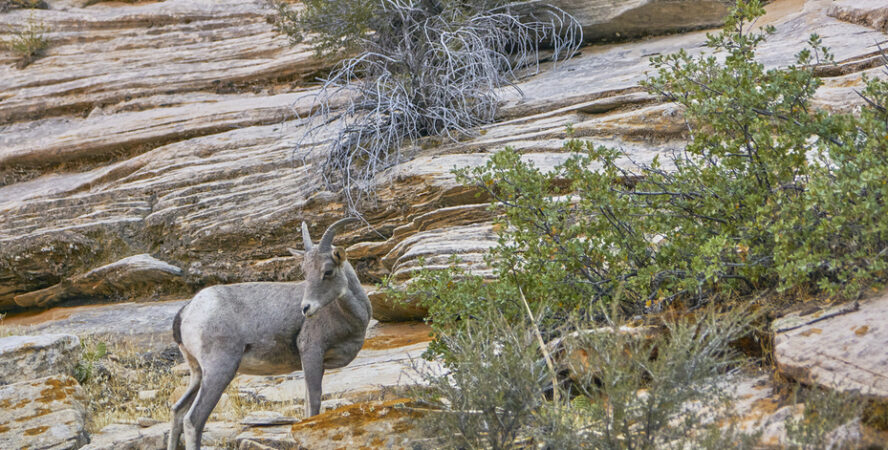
[29, 357]
[138, 273]
[377, 424]
[47, 413]
[609, 19]
[844, 351]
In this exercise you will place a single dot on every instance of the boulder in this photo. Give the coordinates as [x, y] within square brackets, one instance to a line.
[47, 413]
[842, 348]
[621, 19]
[125, 278]
[29, 357]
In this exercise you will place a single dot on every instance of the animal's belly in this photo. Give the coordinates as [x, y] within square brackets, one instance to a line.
[257, 362]
[340, 355]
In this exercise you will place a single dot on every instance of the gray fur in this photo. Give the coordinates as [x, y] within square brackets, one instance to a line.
[270, 329]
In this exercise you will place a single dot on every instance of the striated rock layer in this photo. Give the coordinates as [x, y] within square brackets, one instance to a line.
[195, 158]
[841, 349]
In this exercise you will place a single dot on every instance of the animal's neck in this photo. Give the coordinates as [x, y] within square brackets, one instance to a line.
[356, 305]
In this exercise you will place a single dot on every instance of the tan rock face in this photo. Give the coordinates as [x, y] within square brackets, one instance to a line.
[109, 151]
[843, 349]
[47, 413]
[871, 13]
[610, 19]
[127, 277]
[28, 357]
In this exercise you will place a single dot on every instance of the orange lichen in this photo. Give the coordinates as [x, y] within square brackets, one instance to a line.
[862, 330]
[35, 431]
[354, 417]
[58, 389]
[807, 333]
[399, 335]
[3, 428]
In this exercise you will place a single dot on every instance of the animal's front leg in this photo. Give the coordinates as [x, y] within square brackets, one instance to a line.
[313, 368]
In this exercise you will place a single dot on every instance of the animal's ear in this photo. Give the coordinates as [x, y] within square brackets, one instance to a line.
[339, 255]
[295, 252]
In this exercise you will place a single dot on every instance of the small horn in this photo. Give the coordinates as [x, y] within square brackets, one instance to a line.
[306, 237]
[326, 243]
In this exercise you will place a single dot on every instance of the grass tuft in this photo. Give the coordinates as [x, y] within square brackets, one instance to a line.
[28, 43]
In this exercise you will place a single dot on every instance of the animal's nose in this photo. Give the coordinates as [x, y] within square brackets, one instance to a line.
[305, 309]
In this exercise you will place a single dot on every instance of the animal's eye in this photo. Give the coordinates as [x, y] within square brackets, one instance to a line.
[328, 274]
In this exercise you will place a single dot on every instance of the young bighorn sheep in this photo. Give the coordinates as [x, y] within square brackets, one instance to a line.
[270, 329]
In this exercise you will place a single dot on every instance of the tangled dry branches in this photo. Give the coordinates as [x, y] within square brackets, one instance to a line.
[432, 71]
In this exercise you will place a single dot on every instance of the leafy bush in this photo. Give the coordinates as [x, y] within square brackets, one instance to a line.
[28, 43]
[421, 68]
[768, 194]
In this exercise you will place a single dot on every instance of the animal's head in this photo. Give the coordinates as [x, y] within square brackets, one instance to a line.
[323, 266]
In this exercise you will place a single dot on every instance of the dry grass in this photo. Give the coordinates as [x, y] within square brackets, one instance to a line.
[115, 378]
[28, 43]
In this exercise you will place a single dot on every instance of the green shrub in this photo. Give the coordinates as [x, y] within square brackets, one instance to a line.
[768, 194]
[91, 352]
[27, 43]
[414, 69]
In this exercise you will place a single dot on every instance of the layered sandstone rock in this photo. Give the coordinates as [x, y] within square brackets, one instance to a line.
[109, 151]
[28, 357]
[621, 19]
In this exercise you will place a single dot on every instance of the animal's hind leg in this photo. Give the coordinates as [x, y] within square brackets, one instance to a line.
[184, 403]
[218, 371]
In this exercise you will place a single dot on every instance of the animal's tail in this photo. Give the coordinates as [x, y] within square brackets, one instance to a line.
[177, 325]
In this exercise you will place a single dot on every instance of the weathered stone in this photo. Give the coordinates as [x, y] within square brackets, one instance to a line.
[388, 424]
[146, 325]
[870, 13]
[47, 413]
[134, 274]
[620, 19]
[101, 56]
[843, 349]
[28, 357]
[135, 437]
[267, 438]
[267, 418]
